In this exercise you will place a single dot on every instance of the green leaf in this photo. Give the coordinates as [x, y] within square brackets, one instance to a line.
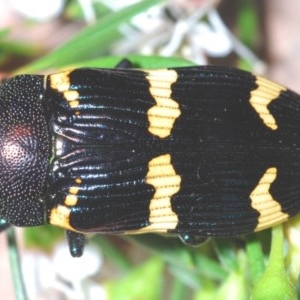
[112, 253]
[18, 49]
[255, 257]
[226, 252]
[248, 23]
[143, 282]
[19, 287]
[91, 42]
[178, 290]
[4, 32]
[292, 233]
[235, 286]
[274, 283]
[42, 237]
[139, 61]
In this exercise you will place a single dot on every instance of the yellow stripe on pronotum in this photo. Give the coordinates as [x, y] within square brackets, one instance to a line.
[162, 115]
[262, 96]
[262, 201]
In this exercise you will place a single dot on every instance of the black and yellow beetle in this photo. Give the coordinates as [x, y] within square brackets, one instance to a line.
[197, 151]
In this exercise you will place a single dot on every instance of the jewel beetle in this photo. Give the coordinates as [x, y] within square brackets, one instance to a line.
[195, 151]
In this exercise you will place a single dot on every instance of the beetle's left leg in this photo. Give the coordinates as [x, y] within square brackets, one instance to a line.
[76, 243]
[192, 240]
[125, 64]
[3, 224]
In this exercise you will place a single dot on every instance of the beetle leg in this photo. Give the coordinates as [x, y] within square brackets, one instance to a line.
[192, 240]
[124, 64]
[3, 224]
[76, 243]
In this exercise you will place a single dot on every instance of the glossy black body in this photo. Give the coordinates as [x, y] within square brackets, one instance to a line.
[219, 147]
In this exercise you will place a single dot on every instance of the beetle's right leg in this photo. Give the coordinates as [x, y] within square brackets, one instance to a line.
[192, 240]
[76, 243]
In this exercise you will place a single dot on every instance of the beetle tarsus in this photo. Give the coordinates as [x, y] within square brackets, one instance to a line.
[76, 243]
[124, 64]
[192, 240]
[3, 225]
